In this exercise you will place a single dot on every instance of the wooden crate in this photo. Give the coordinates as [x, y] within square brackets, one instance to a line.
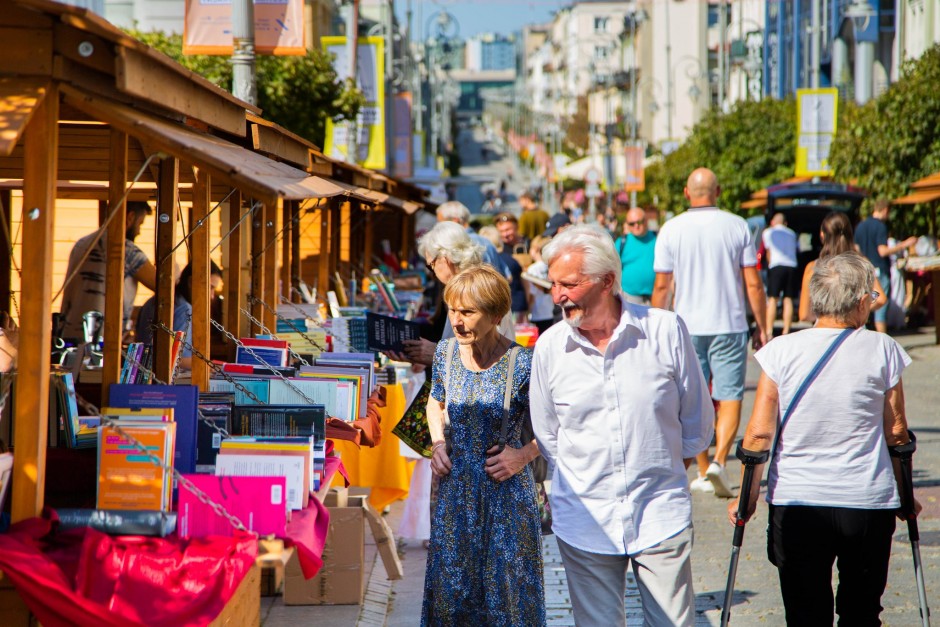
[13, 611]
[244, 608]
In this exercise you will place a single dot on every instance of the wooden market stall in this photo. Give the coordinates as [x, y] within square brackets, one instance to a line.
[926, 191]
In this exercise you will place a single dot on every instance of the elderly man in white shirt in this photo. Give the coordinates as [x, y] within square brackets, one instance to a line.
[620, 407]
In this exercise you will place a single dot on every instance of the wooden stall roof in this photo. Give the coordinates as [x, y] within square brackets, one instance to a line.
[917, 197]
[932, 180]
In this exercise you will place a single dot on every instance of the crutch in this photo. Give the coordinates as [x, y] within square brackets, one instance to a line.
[904, 453]
[750, 459]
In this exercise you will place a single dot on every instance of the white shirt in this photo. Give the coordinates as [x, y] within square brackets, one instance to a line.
[543, 306]
[705, 249]
[616, 427]
[832, 450]
[781, 243]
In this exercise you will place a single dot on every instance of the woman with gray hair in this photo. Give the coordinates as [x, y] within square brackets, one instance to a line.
[832, 486]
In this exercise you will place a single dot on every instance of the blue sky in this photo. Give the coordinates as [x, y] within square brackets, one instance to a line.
[477, 16]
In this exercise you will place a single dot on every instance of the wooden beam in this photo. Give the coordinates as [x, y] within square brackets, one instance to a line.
[31, 414]
[295, 258]
[166, 279]
[26, 51]
[114, 269]
[269, 141]
[6, 264]
[234, 286]
[147, 78]
[335, 236]
[285, 244]
[257, 264]
[202, 291]
[323, 259]
[270, 263]
[407, 236]
[368, 248]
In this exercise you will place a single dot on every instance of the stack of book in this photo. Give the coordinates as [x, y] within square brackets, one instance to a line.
[127, 476]
[289, 457]
[218, 408]
[139, 354]
[262, 352]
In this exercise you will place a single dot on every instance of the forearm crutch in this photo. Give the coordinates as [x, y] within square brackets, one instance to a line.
[751, 460]
[904, 454]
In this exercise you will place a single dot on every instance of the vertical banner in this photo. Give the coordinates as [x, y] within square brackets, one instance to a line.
[636, 176]
[279, 27]
[816, 117]
[404, 158]
[370, 124]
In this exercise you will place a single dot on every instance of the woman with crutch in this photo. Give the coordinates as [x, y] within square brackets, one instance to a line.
[832, 486]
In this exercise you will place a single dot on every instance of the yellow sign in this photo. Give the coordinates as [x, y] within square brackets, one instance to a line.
[817, 116]
[370, 124]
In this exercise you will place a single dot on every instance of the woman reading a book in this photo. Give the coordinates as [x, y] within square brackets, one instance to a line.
[485, 555]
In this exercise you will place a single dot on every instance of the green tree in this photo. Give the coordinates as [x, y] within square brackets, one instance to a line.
[749, 148]
[893, 140]
[298, 92]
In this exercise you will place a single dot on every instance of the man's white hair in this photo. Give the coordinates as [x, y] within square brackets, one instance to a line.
[453, 211]
[450, 240]
[595, 244]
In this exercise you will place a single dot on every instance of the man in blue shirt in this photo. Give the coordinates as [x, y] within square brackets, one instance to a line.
[872, 239]
[636, 248]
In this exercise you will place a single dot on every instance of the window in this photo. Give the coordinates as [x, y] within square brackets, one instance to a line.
[600, 24]
[601, 53]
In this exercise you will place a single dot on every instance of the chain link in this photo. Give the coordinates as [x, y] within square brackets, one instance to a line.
[268, 331]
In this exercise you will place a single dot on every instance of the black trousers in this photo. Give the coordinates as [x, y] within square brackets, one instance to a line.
[804, 541]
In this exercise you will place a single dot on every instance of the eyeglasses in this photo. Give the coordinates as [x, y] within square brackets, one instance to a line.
[875, 295]
[430, 264]
[637, 223]
[568, 286]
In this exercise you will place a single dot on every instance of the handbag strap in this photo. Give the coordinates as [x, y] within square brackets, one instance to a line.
[507, 396]
[806, 383]
[448, 360]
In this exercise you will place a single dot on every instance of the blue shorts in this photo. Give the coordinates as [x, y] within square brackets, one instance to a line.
[724, 361]
[881, 315]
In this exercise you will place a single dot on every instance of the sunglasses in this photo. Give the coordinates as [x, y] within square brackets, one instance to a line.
[637, 223]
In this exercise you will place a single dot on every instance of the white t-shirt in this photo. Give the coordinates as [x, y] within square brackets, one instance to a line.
[542, 304]
[781, 243]
[705, 249]
[832, 449]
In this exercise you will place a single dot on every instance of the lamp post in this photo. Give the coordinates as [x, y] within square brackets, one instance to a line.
[861, 13]
[436, 46]
[636, 18]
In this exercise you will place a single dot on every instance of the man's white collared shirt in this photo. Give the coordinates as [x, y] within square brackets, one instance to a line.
[616, 428]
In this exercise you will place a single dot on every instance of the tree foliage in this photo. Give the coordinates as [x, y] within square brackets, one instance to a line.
[749, 148]
[893, 140]
[298, 92]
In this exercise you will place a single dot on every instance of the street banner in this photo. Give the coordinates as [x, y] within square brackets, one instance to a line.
[403, 138]
[636, 176]
[370, 123]
[279, 27]
[816, 115]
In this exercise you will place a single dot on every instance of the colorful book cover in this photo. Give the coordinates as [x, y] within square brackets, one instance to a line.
[260, 503]
[127, 477]
[289, 466]
[183, 399]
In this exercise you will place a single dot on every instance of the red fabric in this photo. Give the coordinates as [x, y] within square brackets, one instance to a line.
[84, 577]
[307, 532]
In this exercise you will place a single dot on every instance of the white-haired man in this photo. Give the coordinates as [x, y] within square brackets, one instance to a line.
[619, 407]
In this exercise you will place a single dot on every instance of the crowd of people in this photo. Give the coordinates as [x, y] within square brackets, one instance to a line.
[640, 361]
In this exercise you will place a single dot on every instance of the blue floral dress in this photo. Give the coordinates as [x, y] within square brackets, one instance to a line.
[485, 556]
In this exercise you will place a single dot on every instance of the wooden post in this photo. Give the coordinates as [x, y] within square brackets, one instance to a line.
[323, 259]
[234, 286]
[407, 236]
[287, 238]
[166, 281]
[6, 264]
[368, 247]
[257, 263]
[295, 258]
[114, 272]
[31, 414]
[199, 251]
[336, 220]
[269, 295]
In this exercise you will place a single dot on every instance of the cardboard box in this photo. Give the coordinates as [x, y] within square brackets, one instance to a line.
[272, 559]
[340, 581]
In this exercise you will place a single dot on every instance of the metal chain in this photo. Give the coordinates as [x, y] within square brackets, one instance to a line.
[237, 224]
[252, 300]
[274, 370]
[196, 226]
[214, 367]
[268, 331]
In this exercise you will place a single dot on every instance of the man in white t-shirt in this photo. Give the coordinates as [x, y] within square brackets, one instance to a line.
[710, 255]
[781, 244]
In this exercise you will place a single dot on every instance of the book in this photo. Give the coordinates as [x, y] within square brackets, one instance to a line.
[6, 473]
[279, 421]
[534, 280]
[216, 407]
[258, 502]
[182, 399]
[302, 447]
[119, 522]
[387, 333]
[258, 387]
[298, 390]
[261, 356]
[128, 478]
[291, 467]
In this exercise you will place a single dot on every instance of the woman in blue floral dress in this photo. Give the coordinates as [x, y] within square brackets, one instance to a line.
[485, 556]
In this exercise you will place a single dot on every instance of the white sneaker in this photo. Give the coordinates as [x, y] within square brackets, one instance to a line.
[719, 480]
[701, 484]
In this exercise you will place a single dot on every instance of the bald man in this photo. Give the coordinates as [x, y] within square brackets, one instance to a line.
[636, 248]
[711, 257]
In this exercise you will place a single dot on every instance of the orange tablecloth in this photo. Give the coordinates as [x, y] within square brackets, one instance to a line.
[381, 468]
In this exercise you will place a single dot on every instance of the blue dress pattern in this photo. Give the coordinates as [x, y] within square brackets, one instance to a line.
[485, 556]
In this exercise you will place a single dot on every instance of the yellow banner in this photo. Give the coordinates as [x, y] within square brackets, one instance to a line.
[370, 124]
[817, 112]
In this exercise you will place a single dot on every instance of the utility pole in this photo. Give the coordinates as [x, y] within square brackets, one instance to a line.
[722, 45]
[352, 50]
[815, 45]
[633, 94]
[243, 51]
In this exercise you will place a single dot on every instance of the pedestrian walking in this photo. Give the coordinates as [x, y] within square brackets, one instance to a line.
[485, 556]
[781, 244]
[532, 220]
[831, 485]
[636, 248]
[619, 408]
[709, 254]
